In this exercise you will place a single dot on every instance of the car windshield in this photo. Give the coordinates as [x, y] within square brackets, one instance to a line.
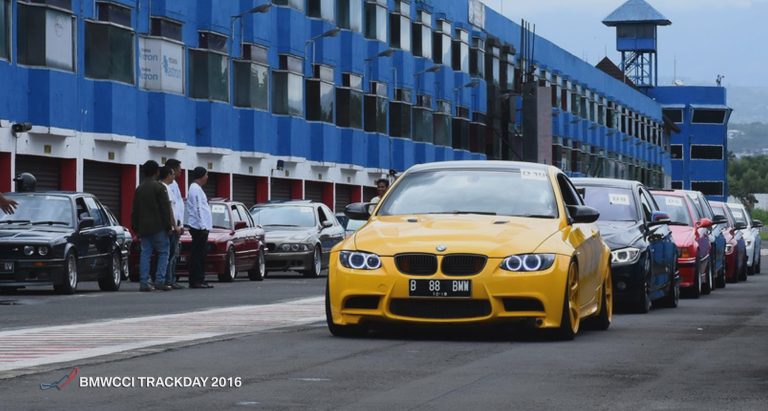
[614, 204]
[739, 215]
[220, 216]
[286, 216]
[353, 225]
[508, 192]
[52, 209]
[676, 208]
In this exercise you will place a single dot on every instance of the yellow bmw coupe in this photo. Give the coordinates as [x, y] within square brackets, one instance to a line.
[473, 242]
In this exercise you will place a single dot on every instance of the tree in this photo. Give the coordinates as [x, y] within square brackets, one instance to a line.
[748, 176]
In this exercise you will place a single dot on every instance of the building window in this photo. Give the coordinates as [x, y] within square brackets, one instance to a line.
[376, 108]
[252, 78]
[461, 51]
[5, 29]
[320, 97]
[376, 20]
[400, 26]
[509, 71]
[706, 152]
[422, 119]
[708, 188]
[422, 34]
[294, 4]
[441, 43]
[109, 44]
[45, 36]
[350, 14]
[400, 114]
[601, 111]
[676, 151]
[575, 100]
[349, 101]
[322, 9]
[162, 27]
[495, 69]
[288, 86]
[477, 58]
[677, 185]
[209, 68]
[708, 116]
[460, 129]
[675, 115]
[441, 121]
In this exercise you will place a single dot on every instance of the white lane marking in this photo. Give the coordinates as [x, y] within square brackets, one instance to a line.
[30, 347]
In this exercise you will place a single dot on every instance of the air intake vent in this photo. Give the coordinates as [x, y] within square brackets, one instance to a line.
[522, 304]
[362, 302]
[427, 308]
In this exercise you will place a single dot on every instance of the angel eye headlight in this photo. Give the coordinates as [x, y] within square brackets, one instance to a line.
[359, 260]
[43, 251]
[625, 256]
[29, 250]
[528, 262]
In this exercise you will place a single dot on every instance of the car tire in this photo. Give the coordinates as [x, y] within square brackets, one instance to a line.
[259, 269]
[569, 319]
[720, 280]
[68, 284]
[317, 264]
[344, 331]
[707, 288]
[759, 260]
[643, 305]
[230, 268]
[695, 291]
[111, 279]
[602, 320]
[672, 299]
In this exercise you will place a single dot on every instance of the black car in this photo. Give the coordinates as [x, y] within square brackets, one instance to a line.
[299, 235]
[643, 253]
[60, 239]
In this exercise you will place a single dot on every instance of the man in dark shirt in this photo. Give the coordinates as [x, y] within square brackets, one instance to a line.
[151, 220]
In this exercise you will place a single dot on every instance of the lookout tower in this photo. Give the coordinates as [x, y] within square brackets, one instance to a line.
[636, 24]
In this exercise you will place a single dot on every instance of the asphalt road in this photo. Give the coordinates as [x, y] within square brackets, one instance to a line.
[708, 354]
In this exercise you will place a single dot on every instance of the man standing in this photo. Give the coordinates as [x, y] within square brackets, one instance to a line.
[151, 220]
[166, 177]
[177, 204]
[382, 185]
[200, 223]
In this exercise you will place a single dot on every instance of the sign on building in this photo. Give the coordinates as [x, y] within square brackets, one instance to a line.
[477, 14]
[58, 40]
[161, 65]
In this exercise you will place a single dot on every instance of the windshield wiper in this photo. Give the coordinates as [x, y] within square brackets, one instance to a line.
[677, 223]
[223, 228]
[14, 222]
[536, 216]
[280, 225]
[464, 212]
[50, 223]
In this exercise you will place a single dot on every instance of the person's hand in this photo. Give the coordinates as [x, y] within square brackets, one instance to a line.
[7, 205]
[179, 230]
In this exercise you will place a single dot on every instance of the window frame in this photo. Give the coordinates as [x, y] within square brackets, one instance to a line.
[379, 7]
[665, 112]
[191, 51]
[320, 80]
[722, 152]
[285, 69]
[17, 38]
[133, 49]
[722, 187]
[348, 87]
[264, 64]
[724, 111]
[7, 27]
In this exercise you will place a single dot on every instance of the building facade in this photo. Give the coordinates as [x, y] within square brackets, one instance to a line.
[303, 99]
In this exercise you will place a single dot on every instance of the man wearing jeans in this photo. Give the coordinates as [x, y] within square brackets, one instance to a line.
[150, 218]
[177, 204]
[200, 223]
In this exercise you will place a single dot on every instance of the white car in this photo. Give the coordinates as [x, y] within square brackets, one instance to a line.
[751, 236]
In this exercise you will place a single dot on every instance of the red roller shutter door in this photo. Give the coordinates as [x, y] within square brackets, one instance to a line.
[104, 180]
[211, 188]
[281, 189]
[369, 193]
[343, 196]
[244, 189]
[313, 190]
[46, 170]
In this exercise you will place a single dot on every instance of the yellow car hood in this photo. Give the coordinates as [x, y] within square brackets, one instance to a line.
[494, 236]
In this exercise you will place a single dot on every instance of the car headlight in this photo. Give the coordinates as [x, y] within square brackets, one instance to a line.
[728, 248]
[294, 247]
[359, 260]
[29, 250]
[43, 251]
[528, 262]
[625, 256]
[683, 252]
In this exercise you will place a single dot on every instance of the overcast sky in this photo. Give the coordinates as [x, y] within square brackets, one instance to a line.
[706, 38]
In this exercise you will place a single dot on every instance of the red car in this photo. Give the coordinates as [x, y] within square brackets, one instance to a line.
[735, 246]
[235, 244]
[689, 231]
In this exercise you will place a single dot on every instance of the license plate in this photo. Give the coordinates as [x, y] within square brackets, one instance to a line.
[440, 288]
[7, 267]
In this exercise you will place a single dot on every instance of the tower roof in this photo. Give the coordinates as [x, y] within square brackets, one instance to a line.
[636, 11]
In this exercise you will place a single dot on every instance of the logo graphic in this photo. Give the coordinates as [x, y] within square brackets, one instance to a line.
[63, 381]
[440, 248]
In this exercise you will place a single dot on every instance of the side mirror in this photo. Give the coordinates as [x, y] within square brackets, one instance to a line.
[583, 214]
[740, 226]
[757, 224]
[719, 219]
[357, 211]
[659, 218]
[86, 222]
[326, 224]
[704, 223]
[239, 225]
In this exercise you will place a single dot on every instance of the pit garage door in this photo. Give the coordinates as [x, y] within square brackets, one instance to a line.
[343, 196]
[369, 193]
[211, 188]
[313, 190]
[46, 170]
[281, 189]
[244, 189]
[104, 180]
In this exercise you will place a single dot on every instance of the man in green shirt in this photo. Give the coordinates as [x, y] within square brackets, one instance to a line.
[151, 220]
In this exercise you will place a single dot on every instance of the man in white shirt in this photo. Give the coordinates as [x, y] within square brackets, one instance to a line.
[382, 185]
[177, 207]
[200, 222]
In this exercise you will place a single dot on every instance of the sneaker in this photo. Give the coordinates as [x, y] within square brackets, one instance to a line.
[146, 287]
[164, 287]
[177, 286]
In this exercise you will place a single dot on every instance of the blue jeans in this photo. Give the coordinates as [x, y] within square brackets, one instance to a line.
[173, 256]
[158, 243]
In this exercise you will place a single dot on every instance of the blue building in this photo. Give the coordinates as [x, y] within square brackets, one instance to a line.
[301, 98]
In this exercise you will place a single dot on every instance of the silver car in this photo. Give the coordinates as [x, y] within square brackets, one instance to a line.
[751, 236]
